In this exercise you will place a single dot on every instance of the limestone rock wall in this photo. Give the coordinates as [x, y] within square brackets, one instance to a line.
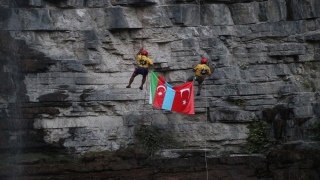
[64, 66]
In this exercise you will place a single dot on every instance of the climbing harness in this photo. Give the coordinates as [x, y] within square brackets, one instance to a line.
[203, 71]
[143, 62]
[194, 78]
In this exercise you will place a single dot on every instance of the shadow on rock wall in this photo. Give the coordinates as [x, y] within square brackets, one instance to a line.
[16, 112]
[284, 125]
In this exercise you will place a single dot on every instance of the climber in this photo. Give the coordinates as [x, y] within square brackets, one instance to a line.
[201, 70]
[143, 63]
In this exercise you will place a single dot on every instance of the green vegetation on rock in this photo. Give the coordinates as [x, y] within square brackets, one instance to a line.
[313, 130]
[151, 139]
[258, 141]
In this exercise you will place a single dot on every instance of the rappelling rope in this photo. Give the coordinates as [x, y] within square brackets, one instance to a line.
[143, 107]
[206, 123]
[146, 82]
[205, 140]
[205, 94]
[144, 99]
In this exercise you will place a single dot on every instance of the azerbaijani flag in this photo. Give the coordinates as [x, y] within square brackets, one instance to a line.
[173, 98]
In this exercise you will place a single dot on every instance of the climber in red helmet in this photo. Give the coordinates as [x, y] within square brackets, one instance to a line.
[201, 70]
[143, 63]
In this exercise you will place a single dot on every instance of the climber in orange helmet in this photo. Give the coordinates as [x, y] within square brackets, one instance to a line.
[143, 63]
[201, 70]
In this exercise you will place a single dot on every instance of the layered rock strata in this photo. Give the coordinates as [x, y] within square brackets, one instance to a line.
[64, 66]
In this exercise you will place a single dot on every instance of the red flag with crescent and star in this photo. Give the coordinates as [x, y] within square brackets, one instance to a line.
[159, 92]
[183, 101]
[173, 98]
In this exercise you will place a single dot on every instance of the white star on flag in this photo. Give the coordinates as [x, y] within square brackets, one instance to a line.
[184, 102]
[158, 89]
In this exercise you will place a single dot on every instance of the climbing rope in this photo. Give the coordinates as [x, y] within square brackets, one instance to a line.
[206, 131]
[144, 99]
[144, 103]
[205, 94]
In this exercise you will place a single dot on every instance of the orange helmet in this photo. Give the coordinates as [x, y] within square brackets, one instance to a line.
[204, 60]
[144, 52]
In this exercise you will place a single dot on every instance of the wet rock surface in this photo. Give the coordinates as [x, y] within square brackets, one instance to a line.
[297, 161]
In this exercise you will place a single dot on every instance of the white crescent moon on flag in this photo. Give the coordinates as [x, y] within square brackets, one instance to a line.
[162, 87]
[186, 89]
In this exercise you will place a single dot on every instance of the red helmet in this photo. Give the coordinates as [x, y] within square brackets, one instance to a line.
[204, 61]
[144, 52]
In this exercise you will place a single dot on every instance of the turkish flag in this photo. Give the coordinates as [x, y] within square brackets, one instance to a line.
[183, 101]
[160, 92]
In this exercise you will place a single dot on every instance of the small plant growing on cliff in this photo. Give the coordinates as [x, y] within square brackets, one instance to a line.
[243, 66]
[313, 74]
[310, 65]
[258, 141]
[306, 83]
[263, 18]
[151, 138]
[225, 153]
[314, 131]
[239, 102]
[309, 84]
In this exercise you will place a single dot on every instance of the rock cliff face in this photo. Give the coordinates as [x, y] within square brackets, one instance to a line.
[64, 66]
[295, 161]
